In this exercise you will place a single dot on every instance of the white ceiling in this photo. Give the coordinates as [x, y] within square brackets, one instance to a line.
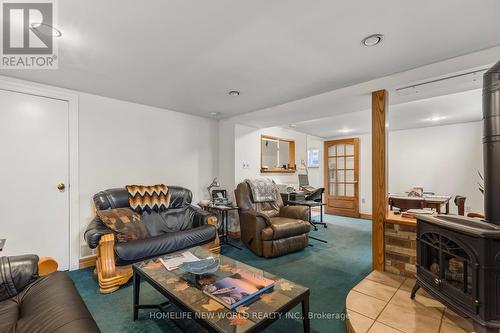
[443, 110]
[186, 55]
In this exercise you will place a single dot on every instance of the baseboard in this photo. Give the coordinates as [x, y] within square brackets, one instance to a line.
[87, 262]
[366, 216]
[234, 234]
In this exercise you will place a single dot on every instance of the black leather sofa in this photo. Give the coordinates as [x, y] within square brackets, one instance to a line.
[180, 227]
[30, 303]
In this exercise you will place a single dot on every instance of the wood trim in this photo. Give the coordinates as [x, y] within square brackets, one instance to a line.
[398, 219]
[273, 170]
[379, 176]
[291, 154]
[365, 216]
[353, 211]
[87, 261]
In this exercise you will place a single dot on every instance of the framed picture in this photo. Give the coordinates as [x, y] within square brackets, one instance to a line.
[219, 194]
[313, 158]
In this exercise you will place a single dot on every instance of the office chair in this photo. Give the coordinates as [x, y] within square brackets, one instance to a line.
[316, 195]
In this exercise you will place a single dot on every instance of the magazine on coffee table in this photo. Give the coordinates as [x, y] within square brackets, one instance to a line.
[238, 289]
[174, 261]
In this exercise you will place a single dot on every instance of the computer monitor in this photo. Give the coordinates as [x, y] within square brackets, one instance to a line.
[303, 180]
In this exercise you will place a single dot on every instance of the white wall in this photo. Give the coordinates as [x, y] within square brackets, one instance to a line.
[125, 143]
[443, 159]
[365, 174]
[247, 151]
[316, 175]
[227, 155]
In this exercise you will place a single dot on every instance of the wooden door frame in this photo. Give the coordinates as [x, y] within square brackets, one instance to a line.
[355, 141]
[35, 89]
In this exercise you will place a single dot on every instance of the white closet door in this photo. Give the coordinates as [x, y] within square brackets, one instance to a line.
[34, 160]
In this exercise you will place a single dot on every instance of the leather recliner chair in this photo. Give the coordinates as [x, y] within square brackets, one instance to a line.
[180, 227]
[271, 229]
[33, 303]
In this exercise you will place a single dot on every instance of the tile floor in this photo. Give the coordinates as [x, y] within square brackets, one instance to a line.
[381, 304]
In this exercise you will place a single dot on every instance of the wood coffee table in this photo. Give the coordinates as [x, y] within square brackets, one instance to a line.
[180, 290]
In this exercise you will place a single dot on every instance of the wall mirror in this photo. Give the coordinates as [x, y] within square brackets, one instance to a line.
[277, 154]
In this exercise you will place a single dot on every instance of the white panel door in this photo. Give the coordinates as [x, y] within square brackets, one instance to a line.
[34, 159]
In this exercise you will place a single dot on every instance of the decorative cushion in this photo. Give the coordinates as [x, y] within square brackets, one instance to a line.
[148, 198]
[126, 224]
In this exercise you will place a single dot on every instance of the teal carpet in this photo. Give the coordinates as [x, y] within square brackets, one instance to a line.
[329, 270]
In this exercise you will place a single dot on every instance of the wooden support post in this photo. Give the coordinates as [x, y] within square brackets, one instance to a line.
[379, 176]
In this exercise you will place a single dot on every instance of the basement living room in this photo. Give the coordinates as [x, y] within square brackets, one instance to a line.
[245, 167]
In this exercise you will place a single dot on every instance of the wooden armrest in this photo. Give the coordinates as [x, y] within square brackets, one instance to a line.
[47, 265]
[477, 215]
[212, 220]
[106, 255]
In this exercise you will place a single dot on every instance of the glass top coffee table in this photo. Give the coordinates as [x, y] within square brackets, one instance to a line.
[182, 290]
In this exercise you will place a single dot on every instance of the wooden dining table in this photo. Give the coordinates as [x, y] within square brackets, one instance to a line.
[433, 201]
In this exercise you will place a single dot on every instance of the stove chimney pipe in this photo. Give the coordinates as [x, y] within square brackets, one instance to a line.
[491, 143]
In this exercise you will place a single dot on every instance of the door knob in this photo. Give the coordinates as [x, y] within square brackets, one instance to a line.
[61, 186]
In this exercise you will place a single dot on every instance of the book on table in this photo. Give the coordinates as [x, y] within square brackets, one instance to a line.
[238, 289]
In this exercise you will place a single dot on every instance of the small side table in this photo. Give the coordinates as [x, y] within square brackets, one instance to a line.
[222, 213]
[2, 243]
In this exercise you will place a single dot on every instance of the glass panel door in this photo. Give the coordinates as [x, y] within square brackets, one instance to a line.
[341, 178]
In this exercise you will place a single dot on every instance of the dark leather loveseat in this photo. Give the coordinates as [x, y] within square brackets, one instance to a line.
[181, 226]
[30, 303]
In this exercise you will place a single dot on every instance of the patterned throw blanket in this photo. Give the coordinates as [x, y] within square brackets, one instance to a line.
[148, 198]
[263, 189]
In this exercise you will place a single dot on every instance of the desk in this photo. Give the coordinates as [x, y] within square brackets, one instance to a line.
[2, 243]
[427, 201]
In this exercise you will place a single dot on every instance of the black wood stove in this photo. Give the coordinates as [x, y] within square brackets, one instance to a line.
[458, 258]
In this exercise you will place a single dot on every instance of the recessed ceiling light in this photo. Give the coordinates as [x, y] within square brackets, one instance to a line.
[234, 93]
[372, 40]
[293, 125]
[214, 114]
[435, 118]
[346, 130]
[46, 29]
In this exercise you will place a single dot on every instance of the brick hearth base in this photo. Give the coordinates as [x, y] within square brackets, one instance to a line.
[400, 249]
